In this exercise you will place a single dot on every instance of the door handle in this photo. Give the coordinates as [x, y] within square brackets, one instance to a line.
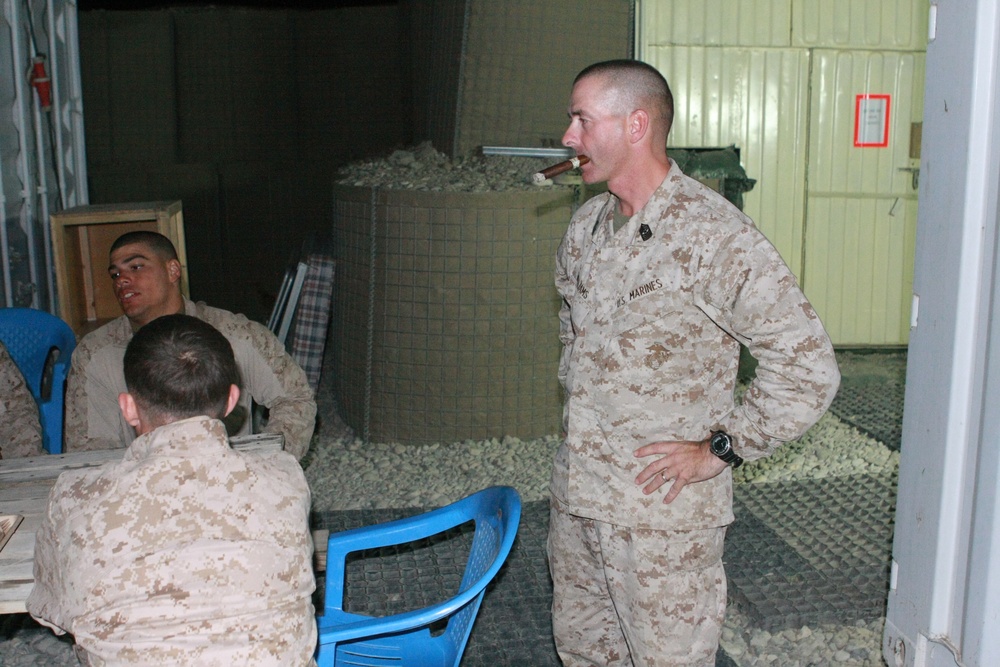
[914, 175]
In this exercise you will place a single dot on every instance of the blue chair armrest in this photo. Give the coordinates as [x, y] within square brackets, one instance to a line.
[337, 626]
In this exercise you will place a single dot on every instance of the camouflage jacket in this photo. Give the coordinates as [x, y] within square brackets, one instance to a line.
[269, 376]
[651, 322]
[20, 430]
[185, 552]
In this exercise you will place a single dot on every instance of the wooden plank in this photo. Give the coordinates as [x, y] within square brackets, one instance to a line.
[49, 466]
[89, 300]
[8, 524]
[12, 495]
[24, 489]
[321, 539]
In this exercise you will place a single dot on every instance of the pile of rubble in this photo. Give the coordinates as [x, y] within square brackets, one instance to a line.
[424, 168]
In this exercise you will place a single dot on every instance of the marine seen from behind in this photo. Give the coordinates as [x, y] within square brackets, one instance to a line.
[186, 552]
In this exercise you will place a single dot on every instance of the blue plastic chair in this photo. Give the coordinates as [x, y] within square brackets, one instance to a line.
[30, 336]
[407, 639]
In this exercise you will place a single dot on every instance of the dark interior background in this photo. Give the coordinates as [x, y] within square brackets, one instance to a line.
[244, 115]
[246, 111]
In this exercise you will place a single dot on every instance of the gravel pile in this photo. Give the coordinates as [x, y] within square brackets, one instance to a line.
[388, 475]
[393, 475]
[831, 448]
[424, 168]
[820, 646]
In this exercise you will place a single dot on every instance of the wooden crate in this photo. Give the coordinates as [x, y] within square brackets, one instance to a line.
[81, 239]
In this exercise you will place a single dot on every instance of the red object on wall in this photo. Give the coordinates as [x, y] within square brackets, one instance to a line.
[871, 120]
[40, 80]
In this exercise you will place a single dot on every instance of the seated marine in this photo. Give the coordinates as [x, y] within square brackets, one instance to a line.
[186, 552]
[20, 428]
[146, 276]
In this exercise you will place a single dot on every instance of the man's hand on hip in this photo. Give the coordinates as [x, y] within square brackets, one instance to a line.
[683, 462]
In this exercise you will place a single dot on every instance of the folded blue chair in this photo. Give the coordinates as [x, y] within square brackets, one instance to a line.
[407, 639]
[30, 336]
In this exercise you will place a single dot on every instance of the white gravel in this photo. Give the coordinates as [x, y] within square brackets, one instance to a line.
[831, 448]
[424, 168]
[387, 475]
[817, 646]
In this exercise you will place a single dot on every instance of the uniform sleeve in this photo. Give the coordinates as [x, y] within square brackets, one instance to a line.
[46, 600]
[564, 285]
[754, 296]
[275, 381]
[20, 429]
[93, 418]
[567, 255]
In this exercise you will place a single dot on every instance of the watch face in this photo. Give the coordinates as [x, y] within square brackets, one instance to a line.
[720, 443]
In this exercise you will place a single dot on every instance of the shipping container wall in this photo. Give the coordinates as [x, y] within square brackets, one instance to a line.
[757, 100]
[862, 194]
[886, 25]
[823, 100]
[714, 23]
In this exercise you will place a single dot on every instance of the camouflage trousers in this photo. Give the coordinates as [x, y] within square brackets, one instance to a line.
[624, 597]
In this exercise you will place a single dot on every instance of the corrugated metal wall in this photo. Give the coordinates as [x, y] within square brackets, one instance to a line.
[862, 206]
[42, 159]
[757, 100]
[779, 80]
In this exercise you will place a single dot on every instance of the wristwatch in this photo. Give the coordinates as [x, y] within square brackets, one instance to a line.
[721, 444]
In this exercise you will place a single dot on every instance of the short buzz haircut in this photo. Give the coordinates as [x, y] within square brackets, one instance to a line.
[155, 241]
[178, 366]
[634, 84]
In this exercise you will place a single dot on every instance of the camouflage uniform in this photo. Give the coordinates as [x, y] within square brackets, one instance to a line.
[185, 552]
[20, 430]
[651, 331]
[268, 375]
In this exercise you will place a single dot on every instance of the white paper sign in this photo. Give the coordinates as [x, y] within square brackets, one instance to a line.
[871, 120]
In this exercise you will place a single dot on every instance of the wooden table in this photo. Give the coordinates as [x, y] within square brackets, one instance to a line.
[24, 490]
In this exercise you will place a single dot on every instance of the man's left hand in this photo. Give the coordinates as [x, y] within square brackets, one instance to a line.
[683, 462]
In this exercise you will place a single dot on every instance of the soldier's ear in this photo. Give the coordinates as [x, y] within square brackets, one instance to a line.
[638, 125]
[174, 270]
[129, 410]
[234, 398]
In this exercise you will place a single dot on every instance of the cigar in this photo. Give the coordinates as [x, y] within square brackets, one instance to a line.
[556, 169]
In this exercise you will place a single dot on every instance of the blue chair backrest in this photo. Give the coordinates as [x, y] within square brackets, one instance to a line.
[405, 639]
[30, 336]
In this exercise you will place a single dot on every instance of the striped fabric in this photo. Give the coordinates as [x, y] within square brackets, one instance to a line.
[308, 337]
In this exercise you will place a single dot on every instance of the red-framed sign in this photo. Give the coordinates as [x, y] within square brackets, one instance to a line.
[871, 120]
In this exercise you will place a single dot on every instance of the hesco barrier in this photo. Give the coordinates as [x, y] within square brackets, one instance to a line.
[445, 313]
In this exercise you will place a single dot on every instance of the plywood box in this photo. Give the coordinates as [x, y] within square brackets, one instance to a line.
[81, 239]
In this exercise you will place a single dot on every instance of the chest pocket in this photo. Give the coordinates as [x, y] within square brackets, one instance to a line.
[658, 340]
